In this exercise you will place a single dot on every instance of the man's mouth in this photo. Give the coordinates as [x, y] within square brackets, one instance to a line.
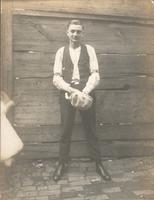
[75, 38]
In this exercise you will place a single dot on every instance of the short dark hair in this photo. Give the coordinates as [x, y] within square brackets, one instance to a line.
[75, 22]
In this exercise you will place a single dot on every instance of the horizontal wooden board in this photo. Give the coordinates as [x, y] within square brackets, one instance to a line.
[33, 64]
[66, 15]
[39, 64]
[131, 132]
[125, 106]
[114, 65]
[106, 37]
[41, 106]
[123, 82]
[138, 8]
[23, 85]
[116, 149]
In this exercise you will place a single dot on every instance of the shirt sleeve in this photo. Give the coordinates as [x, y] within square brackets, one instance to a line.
[94, 78]
[58, 80]
[57, 69]
[92, 59]
[92, 82]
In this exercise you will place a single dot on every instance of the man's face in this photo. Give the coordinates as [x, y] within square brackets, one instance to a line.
[75, 33]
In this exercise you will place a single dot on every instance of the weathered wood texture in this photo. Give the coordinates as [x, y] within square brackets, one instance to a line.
[122, 32]
[125, 97]
[113, 149]
[45, 35]
[6, 47]
[42, 106]
[137, 8]
[106, 132]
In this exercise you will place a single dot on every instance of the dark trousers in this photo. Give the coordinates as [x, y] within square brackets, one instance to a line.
[89, 124]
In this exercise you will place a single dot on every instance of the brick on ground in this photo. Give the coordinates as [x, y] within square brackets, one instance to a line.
[143, 192]
[112, 190]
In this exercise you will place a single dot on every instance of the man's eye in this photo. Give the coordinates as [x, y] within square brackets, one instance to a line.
[73, 31]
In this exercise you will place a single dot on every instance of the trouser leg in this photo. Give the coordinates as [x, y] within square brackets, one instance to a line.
[67, 122]
[89, 124]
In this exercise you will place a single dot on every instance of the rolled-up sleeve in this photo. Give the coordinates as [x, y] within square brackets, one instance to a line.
[57, 69]
[58, 80]
[94, 78]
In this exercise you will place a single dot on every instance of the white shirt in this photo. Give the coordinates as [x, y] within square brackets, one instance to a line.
[75, 54]
[93, 79]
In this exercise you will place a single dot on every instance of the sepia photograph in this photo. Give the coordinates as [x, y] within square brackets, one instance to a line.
[77, 100]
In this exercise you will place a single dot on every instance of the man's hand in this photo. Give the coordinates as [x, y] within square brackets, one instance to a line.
[70, 91]
[79, 99]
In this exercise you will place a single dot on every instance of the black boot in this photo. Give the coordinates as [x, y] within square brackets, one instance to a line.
[59, 171]
[102, 171]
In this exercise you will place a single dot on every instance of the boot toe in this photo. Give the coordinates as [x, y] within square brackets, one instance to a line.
[59, 172]
[103, 173]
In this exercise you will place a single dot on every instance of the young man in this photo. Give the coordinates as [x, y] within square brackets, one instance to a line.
[76, 68]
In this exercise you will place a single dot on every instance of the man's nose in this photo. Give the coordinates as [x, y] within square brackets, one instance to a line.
[75, 33]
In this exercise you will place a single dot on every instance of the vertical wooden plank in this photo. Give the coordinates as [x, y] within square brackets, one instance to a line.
[6, 46]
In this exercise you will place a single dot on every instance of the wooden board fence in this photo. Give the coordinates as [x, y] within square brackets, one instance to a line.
[123, 37]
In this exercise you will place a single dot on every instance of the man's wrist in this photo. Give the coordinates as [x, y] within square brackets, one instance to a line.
[85, 91]
[70, 89]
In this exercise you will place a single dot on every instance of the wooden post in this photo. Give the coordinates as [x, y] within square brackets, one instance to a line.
[6, 46]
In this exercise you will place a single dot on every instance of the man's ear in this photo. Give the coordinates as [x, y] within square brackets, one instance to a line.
[67, 33]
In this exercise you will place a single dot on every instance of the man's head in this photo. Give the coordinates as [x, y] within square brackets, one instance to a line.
[75, 31]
